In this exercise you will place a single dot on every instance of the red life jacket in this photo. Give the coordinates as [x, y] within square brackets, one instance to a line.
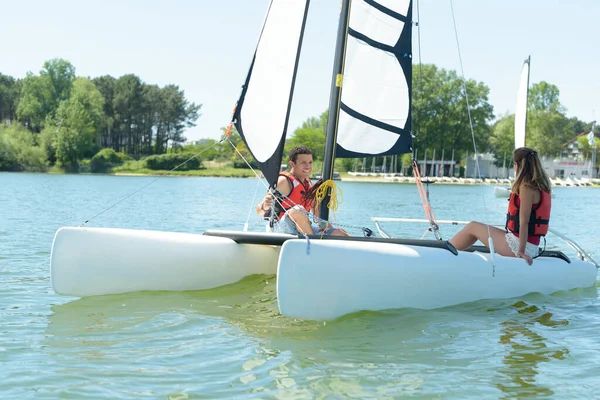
[538, 220]
[295, 196]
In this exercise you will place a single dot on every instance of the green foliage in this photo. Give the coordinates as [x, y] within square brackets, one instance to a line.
[36, 101]
[310, 134]
[544, 96]
[440, 117]
[74, 134]
[238, 161]
[547, 131]
[502, 140]
[170, 161]
[18, 151]
[61, 75]
[41, 95]
[104, 160]
[10, 90]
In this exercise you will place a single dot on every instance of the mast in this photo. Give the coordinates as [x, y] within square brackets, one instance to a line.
[527, 99]
[334, 100]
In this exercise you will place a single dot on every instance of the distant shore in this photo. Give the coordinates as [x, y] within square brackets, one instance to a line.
[390, 178]
[365, 177]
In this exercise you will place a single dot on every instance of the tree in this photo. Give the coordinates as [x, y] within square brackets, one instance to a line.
[106, 86]
[36, 101]
[545, 131]
[544, 96]
[10, 90]
[61, 75]
[502, 140]
[18, 151]
[439, 114]
[41, 95]
[311, 134]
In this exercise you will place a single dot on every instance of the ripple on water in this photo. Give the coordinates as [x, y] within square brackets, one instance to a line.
[231, 342]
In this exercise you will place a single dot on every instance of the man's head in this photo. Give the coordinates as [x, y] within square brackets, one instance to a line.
[301, 162]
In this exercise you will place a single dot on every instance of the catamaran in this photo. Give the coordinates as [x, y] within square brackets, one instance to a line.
[319, 278]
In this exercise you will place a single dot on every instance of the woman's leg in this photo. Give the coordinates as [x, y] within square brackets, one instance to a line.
[474, 231]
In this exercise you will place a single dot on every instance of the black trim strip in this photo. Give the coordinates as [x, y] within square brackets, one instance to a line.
[371, 121]
[373, 43]
[545, 253]
[277, 239]
[387, 11]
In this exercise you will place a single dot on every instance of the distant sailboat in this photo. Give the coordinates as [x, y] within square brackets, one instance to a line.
[520, 118]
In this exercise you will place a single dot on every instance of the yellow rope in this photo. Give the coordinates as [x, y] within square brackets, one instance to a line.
[335, 193]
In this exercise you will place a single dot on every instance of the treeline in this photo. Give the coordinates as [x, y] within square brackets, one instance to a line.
[58, 119]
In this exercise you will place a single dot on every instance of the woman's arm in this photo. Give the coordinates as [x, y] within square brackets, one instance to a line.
[526, 197]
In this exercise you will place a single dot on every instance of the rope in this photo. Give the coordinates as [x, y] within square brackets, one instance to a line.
[425, 200]
[491, 243]
[333, 197]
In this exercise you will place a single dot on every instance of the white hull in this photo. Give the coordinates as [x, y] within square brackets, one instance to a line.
[501, 192]
[317, 279]
[332, 278]
[97, 261]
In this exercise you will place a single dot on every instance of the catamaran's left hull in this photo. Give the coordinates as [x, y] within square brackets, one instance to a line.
[323, 280]
[98, 261]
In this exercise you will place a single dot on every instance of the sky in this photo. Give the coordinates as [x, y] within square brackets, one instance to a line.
[205, 47]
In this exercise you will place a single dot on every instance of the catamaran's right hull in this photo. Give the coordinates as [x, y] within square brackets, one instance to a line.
[326, 279]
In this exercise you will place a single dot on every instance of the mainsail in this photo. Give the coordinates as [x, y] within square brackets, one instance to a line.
[262, 112]
[521, 110]
[374, 110]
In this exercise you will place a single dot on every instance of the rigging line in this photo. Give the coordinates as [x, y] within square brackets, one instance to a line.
[251, 206]
[464, 82]
[260, 179]
[149, 183]
[425, 200]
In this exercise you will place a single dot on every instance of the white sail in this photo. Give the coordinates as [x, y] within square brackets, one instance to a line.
[263, 108]
[521, 110]
[374, 116]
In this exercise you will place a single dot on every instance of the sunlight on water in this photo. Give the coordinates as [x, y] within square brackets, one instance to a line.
[231, 342]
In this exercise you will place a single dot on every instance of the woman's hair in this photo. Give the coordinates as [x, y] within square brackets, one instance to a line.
[529, 171]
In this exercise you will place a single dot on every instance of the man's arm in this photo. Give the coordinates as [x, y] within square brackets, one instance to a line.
[283, 185]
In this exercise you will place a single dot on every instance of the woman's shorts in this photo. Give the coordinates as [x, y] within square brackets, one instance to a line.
[513, 242]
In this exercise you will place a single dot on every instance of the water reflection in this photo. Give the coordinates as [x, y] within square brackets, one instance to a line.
[234, 337]
[528, 348]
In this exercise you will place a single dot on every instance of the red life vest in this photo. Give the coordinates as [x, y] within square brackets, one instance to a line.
[538, 220]
[295, 196]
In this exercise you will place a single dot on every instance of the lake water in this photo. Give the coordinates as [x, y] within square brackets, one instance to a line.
[232, 342]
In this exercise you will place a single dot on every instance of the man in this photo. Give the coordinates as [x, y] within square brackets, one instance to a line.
[293, 212]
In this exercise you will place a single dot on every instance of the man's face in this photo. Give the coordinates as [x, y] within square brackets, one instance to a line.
[303, 165]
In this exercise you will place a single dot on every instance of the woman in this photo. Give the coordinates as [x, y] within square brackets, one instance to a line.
[528, 212]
